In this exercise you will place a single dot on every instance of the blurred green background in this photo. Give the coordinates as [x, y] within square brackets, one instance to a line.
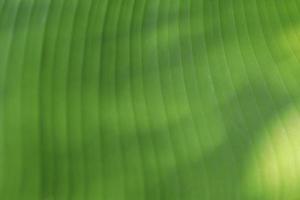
[149, 99]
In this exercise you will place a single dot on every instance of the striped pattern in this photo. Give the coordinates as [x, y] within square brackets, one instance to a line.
[149, 99]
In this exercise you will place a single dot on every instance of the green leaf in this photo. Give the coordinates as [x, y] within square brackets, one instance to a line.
[149, 99]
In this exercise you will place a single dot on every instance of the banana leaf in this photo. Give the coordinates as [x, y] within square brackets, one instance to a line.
[149, 99]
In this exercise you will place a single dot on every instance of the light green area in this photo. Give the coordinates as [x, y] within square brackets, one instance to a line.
[149, 99]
